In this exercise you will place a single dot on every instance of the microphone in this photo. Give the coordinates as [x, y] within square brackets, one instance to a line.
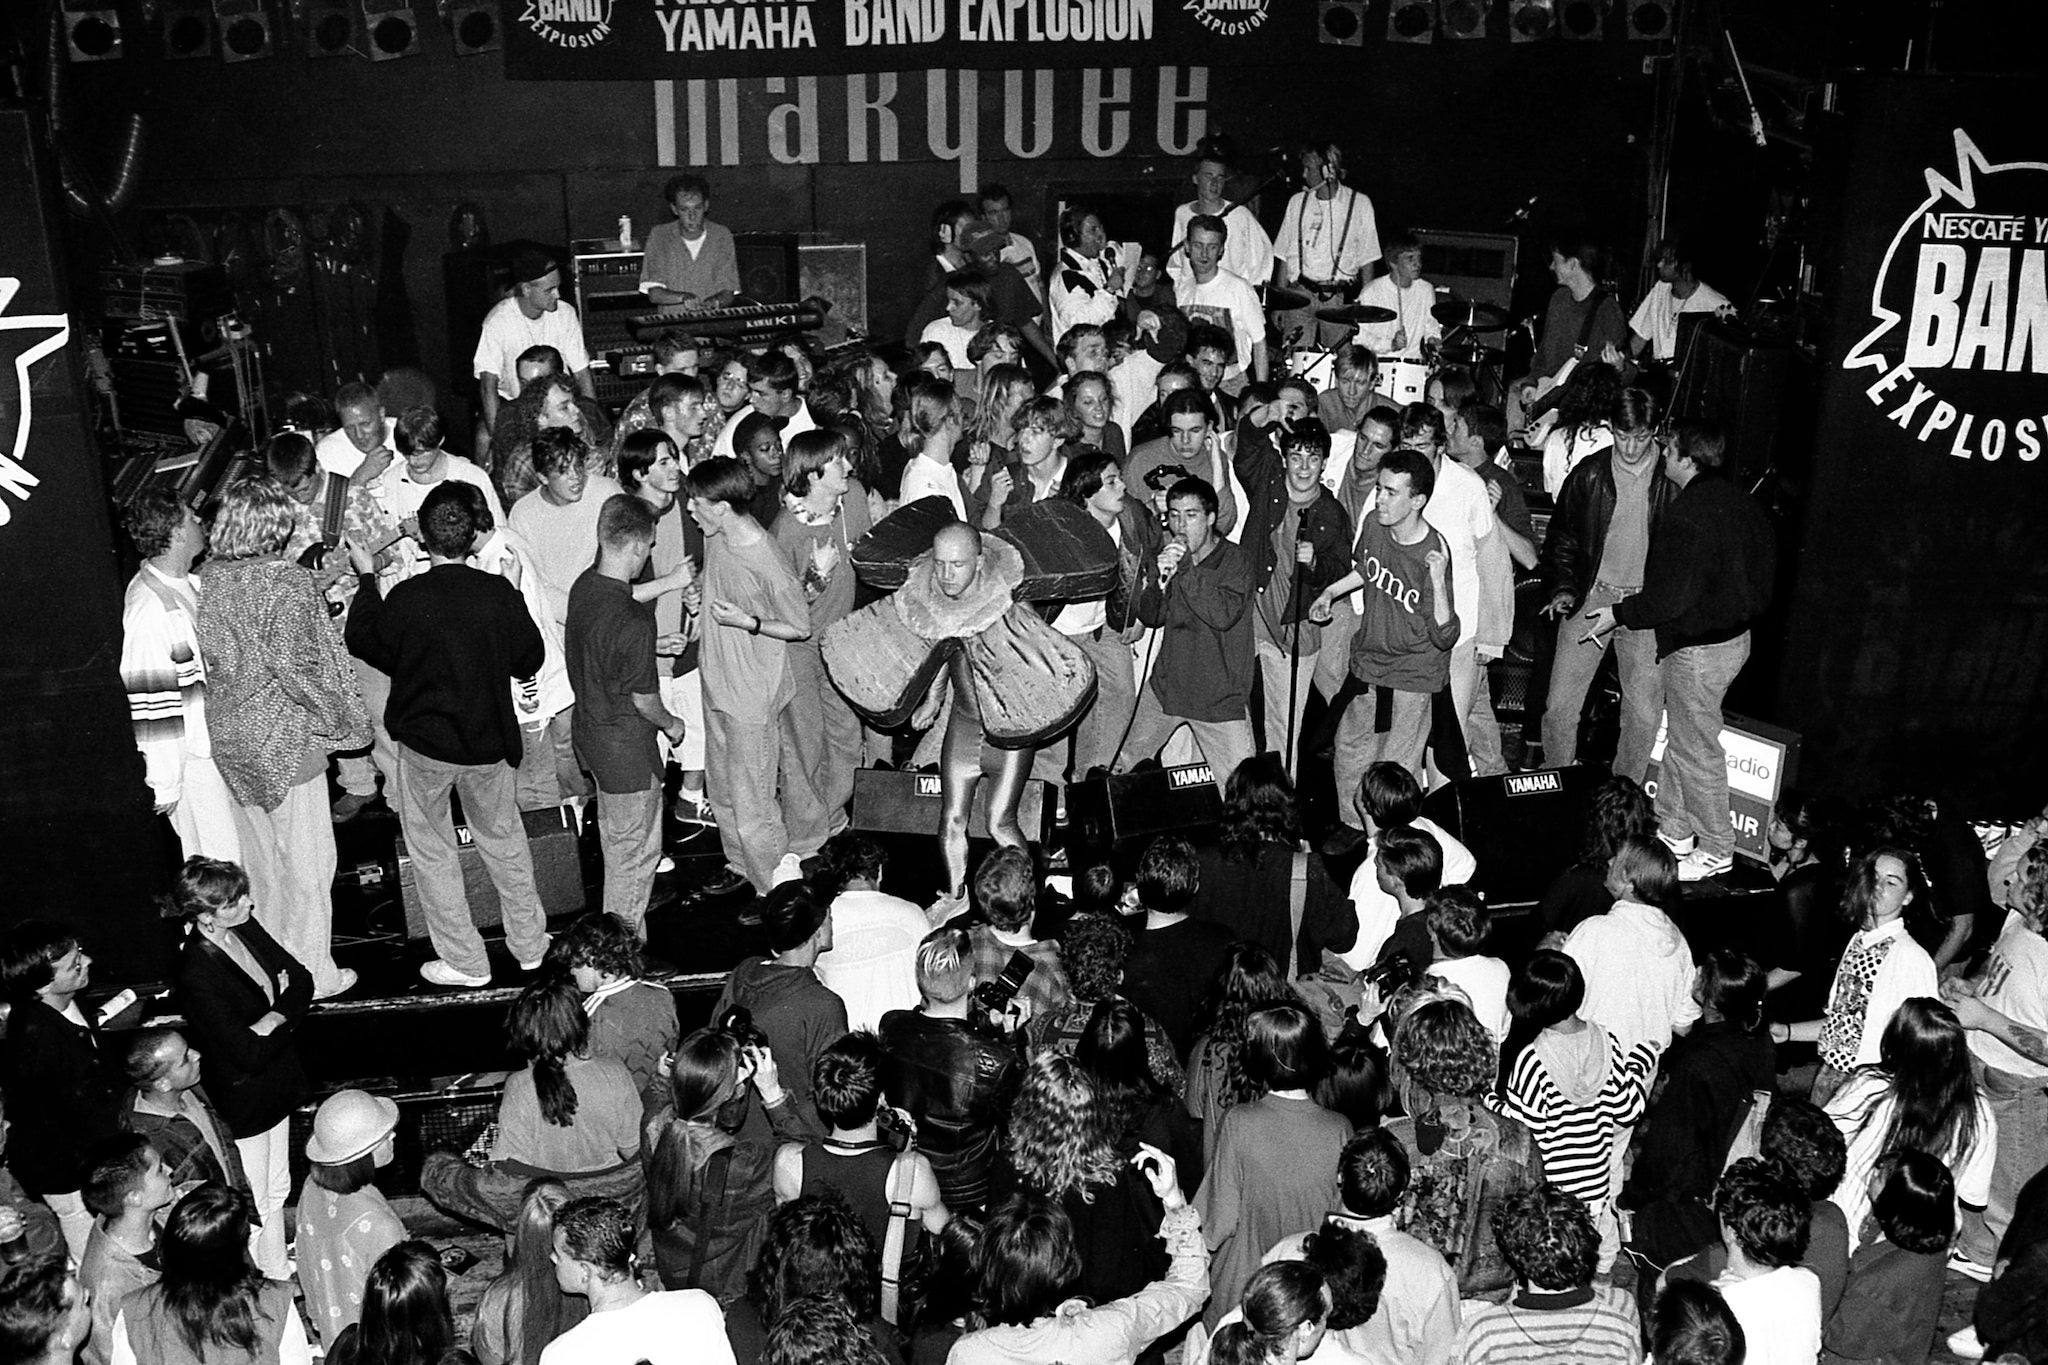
[1521, 215]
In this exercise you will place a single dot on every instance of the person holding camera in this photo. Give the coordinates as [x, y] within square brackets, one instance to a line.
[786, 1007]
[954, 1076]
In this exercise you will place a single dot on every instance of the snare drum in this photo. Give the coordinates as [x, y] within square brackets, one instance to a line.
[1403, 381]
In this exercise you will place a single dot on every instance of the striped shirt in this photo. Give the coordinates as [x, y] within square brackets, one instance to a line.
[1577, 1140]
[1592, 1326]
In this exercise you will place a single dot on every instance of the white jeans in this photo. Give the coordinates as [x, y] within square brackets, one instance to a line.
[267, 1160]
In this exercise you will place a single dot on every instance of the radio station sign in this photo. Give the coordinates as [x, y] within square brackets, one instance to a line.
[610, 40]
[1760, 763]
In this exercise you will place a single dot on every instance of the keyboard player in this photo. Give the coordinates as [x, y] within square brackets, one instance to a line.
[690, 264]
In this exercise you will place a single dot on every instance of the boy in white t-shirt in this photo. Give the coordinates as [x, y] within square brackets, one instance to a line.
[594, 1258]
[1764, 1226]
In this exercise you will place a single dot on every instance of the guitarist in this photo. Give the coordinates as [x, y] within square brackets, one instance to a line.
[1582, 324]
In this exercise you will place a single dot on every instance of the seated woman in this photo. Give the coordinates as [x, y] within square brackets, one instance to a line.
[525, 1308]
[709, 1192]
[1028, 1267]
[566, 1115]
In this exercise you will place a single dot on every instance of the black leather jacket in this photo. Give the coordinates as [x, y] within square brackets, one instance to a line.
[1578, 529]
[957, 1081]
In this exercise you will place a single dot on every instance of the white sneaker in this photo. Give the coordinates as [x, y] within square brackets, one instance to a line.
[441, 974]
[1968, 1268]
[1699, 865]
[790, 869]
[1679, 846]
[547, 941]
[1966, 1343]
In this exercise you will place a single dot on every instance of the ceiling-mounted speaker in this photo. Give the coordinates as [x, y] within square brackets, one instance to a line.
[475, 27]
[187, 27]
[1531, 21]
[1582, 20]
[1411, 21]
[1341, 23]
[392, 29]
[1651, 21]
[246, 34]
[1465, 18]
[92, 31]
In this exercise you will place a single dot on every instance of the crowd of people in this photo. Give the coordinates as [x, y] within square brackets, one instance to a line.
[1228, 1103]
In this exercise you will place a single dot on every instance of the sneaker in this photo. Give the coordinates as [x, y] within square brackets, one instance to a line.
[790, 869]
[1966, 1343]
[547, 941]
[441, 974]
[348, 806]
[1344, 839]
[1970, 1269]
[725, 883]
[1681, 847]
[1699, 865]
[345, 980]
[693, 810]
[944, 908]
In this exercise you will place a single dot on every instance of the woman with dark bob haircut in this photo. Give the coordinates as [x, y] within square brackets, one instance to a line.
[1274, 1169]
[1027, 1267]
[212, 1304]
[1471, 1157]
[406, 1318]
[1246, 874]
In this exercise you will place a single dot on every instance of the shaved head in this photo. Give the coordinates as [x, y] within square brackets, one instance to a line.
[956, 557]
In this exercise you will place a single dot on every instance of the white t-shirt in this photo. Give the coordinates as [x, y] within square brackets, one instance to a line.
[679, 1327]
[1412, 315]
[1562, 452]
[1780, 1314]
[1656, 319]
[953, 338]
[1462, 512]
[1485, 983]
[1247, 250]
[1327, 239]
[1865, 1134]
[1378, 912]
[402, 498]
[2015, 983]
[800, 420]
[1231, 304]
[507, 332]
[873, 962]
[924, 478]
[337, 454]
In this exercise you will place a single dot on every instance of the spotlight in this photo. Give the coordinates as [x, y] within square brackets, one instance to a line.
[474, 27]
[187, 29]
[1465, 18]
[1582, 20]
[393, 30]
[1531, 21]
[1650, 20]
[1411, 21]
[334, 28]
[245, 32]
[1343, 23]
[92, 31]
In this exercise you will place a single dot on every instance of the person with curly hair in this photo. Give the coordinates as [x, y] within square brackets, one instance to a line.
[632, 1020]
[1273, 1170]
[594, 1258]
[816, 1247]
[1463, 1158]
[1764, 1229]
[281, 695]
[1093, 949]
[1065, 1143]
[1885, 964]
[1284, 1318]
[1691, 1325]
[1217, 1080]
[548, 403]
[1247, 873]
[819, 1330]
[1558, 1312]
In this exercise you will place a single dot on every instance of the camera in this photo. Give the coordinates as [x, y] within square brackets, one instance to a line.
[992, 998]
[1159, 478]
[738, 1022]
[1397, 973]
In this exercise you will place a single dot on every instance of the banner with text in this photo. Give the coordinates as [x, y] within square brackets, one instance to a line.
[1918, 647]
[611, 40]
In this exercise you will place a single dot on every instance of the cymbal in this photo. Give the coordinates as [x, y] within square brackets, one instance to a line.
[1355, 312]
[1472, 353]
[1470, 314]
[1281, 299]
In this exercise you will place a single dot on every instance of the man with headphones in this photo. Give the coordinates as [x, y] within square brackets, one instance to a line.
[1327, 241]
[1088, 283]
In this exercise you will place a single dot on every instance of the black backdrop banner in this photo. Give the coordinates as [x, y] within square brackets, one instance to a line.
[610, 40]
[1918, 647]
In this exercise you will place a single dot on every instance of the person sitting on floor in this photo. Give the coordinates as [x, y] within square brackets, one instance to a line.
[344, 1222]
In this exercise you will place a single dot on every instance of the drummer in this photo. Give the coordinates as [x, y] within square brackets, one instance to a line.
[1413, 333]
[1327, 242]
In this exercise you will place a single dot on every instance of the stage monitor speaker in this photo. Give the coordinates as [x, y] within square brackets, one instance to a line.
[1472, 265]
[1749, 387]
[1105, 811]
[1523, 828]
[769, 272]
[888, 801]
[557, 871]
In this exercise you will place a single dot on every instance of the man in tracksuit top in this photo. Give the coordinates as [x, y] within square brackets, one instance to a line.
[1401, 655]
[1712, 560]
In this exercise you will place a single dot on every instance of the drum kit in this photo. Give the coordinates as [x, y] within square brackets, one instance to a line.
[1465, 322]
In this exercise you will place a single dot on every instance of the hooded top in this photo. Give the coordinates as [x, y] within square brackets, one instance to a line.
[1639, 974]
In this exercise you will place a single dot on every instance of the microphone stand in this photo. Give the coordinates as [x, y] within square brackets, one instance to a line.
[1294, 651]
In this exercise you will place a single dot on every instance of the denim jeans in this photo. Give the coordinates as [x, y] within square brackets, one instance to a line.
[2020, 1105]
[1692, 791]
[1571, 675]
[490, 805]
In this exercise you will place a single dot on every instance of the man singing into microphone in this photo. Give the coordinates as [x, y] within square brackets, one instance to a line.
[1202, 677]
